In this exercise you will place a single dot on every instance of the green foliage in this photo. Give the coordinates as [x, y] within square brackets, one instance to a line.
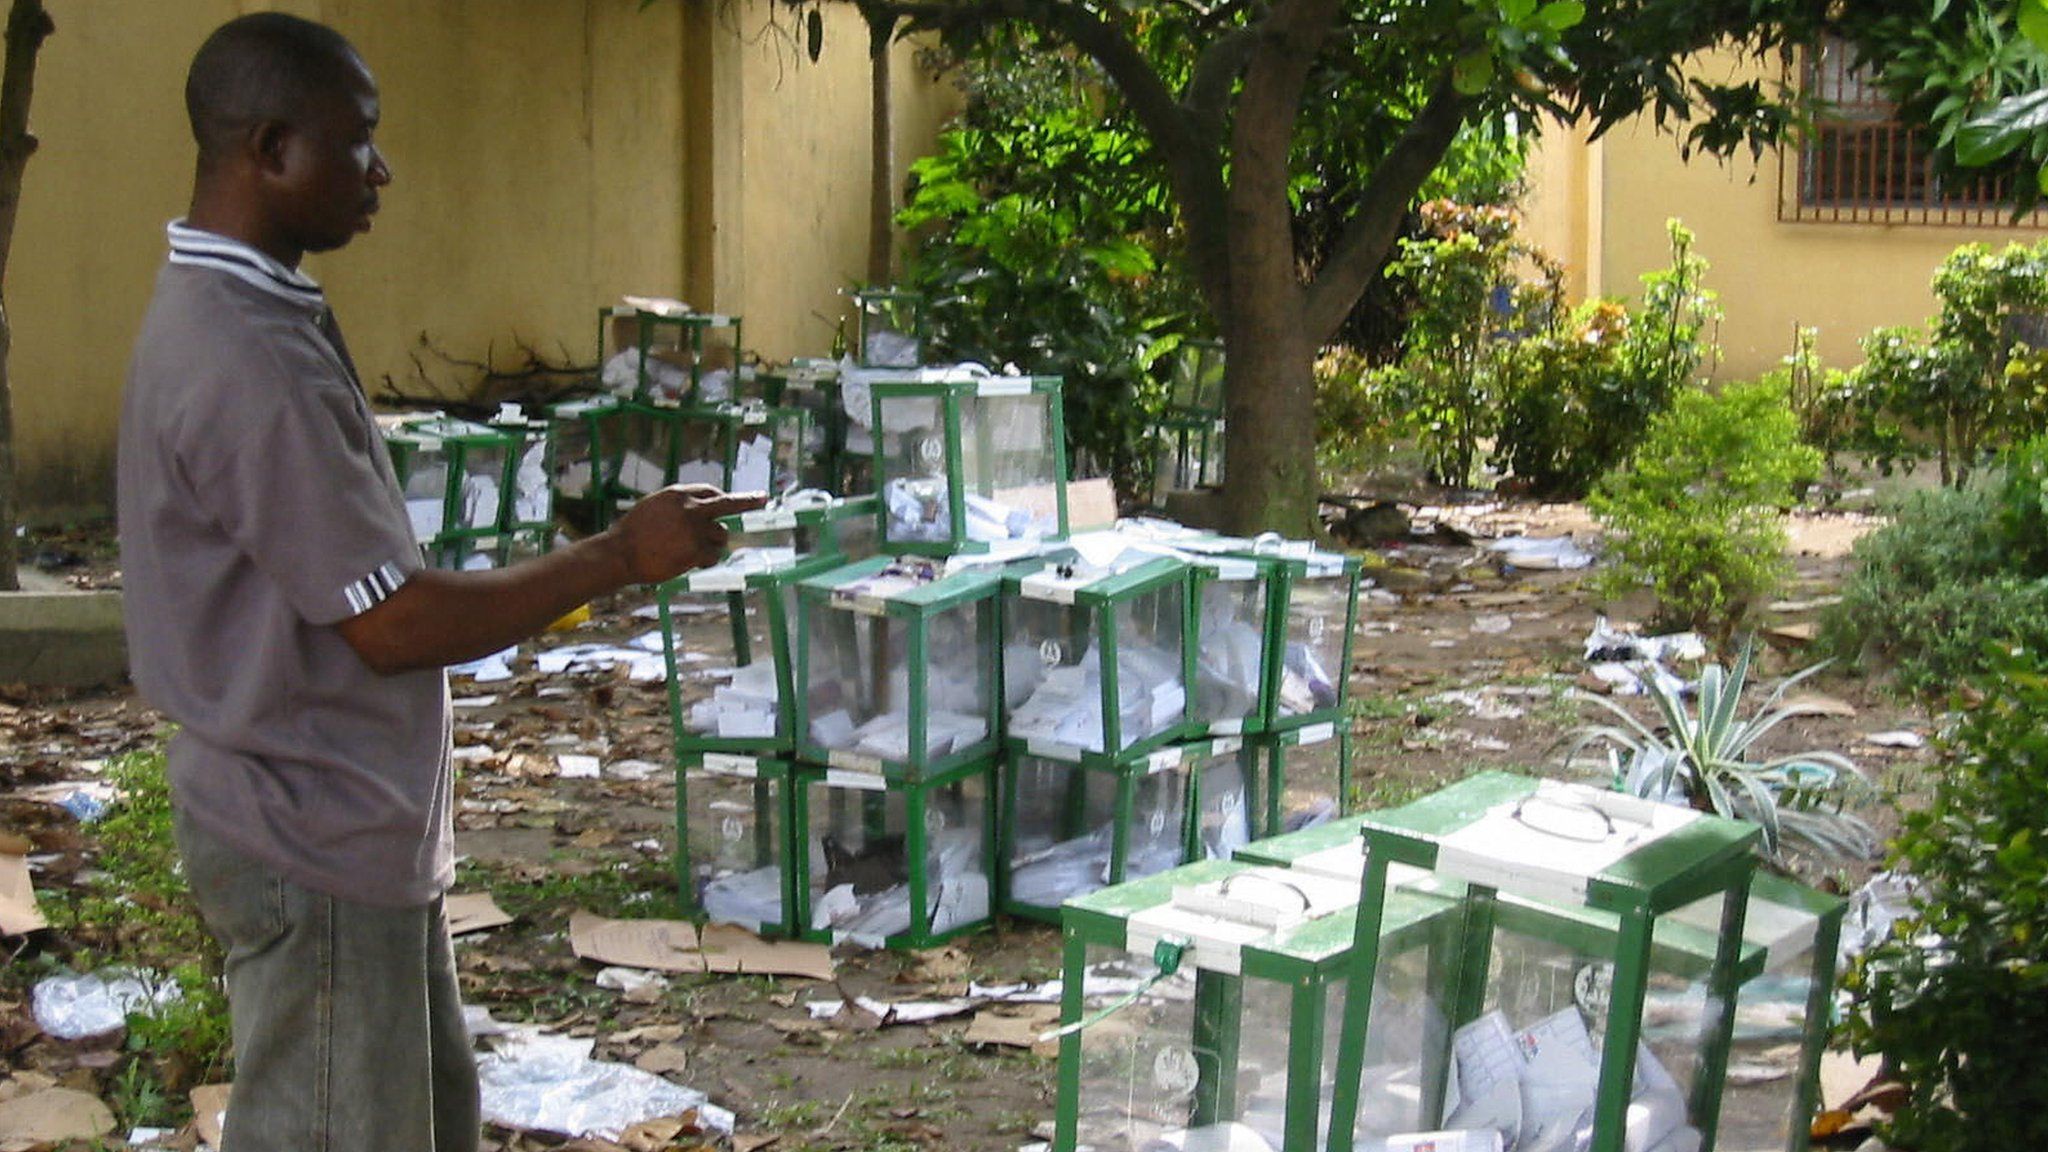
[1359, 424]
[1973, 70]
[1697, 513]
[1953, 572]
[135, 911]
[1044, 241]
[1962, 388]
[1957, 998]
[1708, 758]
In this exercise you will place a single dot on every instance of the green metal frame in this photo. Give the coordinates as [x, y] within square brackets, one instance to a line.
[589, 417]
[690, 327]
[1312, 960]
[1297, 572]
[773, 806]
[1222, 576]
[811, 780]
[887, 304]
[772, 591]
[913, 610]
[814, 387]
[1193, 418]
[459, 442]
[1095, 606]
[841, 526]
[1709, 856]
[1269, 789]
[524, 536]
[1127, 776]
[953, 397]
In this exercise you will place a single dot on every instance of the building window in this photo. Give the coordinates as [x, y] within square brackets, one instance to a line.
[1860, 164]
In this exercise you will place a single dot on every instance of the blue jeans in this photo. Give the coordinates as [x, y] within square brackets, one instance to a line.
[347, 1019]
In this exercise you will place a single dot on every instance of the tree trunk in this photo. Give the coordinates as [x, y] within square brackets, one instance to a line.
[1269, 440]
[28, 25]
[882, 154]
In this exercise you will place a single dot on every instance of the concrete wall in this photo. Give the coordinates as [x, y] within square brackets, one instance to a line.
[549, 155]
[1601, 207]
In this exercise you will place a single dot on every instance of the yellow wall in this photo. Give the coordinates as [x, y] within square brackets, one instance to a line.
[1602, 208]
[549, 155]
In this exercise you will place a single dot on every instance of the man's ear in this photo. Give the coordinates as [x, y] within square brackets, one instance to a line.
[266, 141]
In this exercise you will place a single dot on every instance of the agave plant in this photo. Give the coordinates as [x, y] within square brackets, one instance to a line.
[1703, 756]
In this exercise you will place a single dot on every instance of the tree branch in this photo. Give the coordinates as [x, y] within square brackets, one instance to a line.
[1362, 248]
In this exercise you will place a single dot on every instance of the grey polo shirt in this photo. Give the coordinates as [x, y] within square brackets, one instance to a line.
[257, 509]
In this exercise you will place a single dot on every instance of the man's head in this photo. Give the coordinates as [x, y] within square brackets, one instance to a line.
[283, 111]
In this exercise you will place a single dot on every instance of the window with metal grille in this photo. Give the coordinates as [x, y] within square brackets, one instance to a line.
[1860, 164]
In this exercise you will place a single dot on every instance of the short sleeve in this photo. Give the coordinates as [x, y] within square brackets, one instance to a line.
[290, 464]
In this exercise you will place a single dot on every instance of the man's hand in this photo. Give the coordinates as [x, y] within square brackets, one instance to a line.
[676, 529]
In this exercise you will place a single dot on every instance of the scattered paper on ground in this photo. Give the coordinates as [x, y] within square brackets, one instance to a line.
[885, 1013]
[679, 946]
[474, 912]
[51, 1116]
[551, 1084]
[18, 911]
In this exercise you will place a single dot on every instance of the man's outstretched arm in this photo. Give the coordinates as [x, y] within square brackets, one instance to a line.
[439, 617]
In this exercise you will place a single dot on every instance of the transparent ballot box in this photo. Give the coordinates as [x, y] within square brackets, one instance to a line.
[1583, 1015]
[967, 463]
[767, 447]
[658, 351]
[579, 473]
[746, 601]
[1310, 668]
[1203, 1010]
[1069, 829]
[732, 841]
[1233, 603]
[897, 667]
[809, 522]
[1303, 778]
[1096, 660]
[647, 447]
[892, 864]
[890, 327]
[455, 476]
[1221, 805]
[1782, 1016]
[813, 387]
[528, 526]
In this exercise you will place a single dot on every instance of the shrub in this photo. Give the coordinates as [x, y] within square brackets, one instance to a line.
[1955, 572]
[1956, 998]
[1697, 513]
[1578, 389]
[1957, 390]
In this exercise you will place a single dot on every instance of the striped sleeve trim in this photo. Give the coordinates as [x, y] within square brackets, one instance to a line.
[374, 588]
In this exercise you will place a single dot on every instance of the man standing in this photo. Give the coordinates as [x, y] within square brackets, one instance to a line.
[279, 612]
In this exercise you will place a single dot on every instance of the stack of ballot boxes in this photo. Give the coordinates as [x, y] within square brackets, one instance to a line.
[456, 476]
[1568, 901]
[897, 736]
[1097, 664]
[807, 523]
[734, 747]
[967, 463]
[1203, 1009]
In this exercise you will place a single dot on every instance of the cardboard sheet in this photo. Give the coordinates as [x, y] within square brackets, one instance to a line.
[50, 1116]
[474, 912]
[18, 911]
[680, 946]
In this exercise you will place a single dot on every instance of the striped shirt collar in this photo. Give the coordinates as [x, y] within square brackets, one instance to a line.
[200, 249]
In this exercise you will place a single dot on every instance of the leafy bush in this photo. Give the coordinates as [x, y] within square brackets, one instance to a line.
[1957, 998]
[1697, 513]
[1958, 390]
[1955, 571]
[1578, 391]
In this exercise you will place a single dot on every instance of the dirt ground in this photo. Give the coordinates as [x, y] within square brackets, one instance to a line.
[1461, 663]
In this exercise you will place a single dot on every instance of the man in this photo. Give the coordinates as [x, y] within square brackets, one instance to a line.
[278, 612]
